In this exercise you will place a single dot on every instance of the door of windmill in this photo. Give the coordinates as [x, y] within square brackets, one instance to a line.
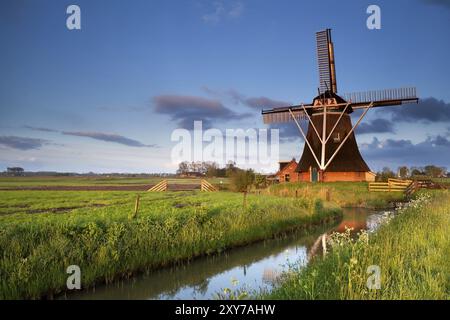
[314, 175]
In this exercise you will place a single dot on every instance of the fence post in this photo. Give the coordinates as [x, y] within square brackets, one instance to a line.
[324, 244]
[136, 206]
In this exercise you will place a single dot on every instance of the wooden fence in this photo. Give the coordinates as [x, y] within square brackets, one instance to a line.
[422, 184]
[207, 187]
[393, 185]
[160, 186]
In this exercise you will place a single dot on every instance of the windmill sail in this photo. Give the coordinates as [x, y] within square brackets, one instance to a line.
[325, 60]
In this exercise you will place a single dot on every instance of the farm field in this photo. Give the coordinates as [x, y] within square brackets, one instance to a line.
[43, 232]
[103, 183]
[344, 194]
[94, 181]
[411, 251]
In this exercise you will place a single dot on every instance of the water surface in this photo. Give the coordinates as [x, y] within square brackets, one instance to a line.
[252, 267]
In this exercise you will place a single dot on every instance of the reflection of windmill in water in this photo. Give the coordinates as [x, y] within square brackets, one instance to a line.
[330, 152]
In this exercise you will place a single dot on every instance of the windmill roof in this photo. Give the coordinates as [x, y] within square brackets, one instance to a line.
[329, 94]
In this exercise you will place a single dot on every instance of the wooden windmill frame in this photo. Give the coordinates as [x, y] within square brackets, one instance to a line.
[328, 103]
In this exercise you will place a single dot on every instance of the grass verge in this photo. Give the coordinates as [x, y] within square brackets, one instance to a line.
[411, 250]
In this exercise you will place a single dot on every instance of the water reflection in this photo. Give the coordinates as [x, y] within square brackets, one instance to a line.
[252, 267]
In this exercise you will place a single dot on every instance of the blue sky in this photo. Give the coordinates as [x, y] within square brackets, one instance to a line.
[107, 97]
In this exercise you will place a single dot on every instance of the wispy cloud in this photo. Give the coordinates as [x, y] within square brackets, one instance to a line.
[221, 10]
[443, 3]
[22, 143]
[376, 126]
[237, 97]
[42, 129]
[186, 109]
[237, 9]
[110, 137]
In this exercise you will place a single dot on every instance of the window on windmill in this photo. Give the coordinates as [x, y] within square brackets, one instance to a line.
[287, 177]
[337, 138]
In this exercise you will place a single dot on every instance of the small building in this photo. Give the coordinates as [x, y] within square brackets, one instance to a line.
[286, 172]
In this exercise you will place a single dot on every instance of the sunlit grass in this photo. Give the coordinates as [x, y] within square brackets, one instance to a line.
[36, 248]
[412, 251]
[344, 194]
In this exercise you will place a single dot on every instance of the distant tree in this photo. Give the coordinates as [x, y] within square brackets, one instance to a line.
[211, 169]
[385, 174]
[231, 168]
[416, 171]
[16, 171]
[183, 167]
[241, 181]
[434, 171]
[403, 172]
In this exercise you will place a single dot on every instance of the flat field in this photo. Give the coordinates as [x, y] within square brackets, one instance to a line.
[44, 232]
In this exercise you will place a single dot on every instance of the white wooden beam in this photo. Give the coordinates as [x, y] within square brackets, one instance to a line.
[337, 122]
[304, 137]
[348, 135]
[312, 123]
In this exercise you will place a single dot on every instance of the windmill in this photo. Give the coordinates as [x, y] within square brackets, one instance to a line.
[331, 152]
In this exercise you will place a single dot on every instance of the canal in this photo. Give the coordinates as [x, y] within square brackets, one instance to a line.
[252, 267]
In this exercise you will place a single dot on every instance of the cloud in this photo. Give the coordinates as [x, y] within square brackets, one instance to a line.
[237, 9]
[387, 144]
[264, 103]
[221, 10]
[439, 141]
[443, 3]
[376, 126]
[236, 97]
[186, 109]
[41, 129]
[391, 152]
[427, 110]
[110, 137]
[22, 143]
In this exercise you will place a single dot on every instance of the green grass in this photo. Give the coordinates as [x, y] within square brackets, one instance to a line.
[36, 248]
[6, 182]
[443, 181]
[412, 251]
[73, 181]
[31, 202]
[344, 194]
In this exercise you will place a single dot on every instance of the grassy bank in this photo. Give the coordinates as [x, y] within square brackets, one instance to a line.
[344, 194]
[412, 251]
[106, 242]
